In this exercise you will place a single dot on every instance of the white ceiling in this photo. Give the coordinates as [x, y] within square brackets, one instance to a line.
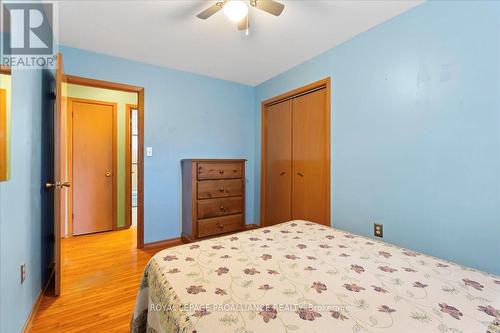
[168, 34]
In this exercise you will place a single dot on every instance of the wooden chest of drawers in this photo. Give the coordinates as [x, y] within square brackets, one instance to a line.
[213, 197]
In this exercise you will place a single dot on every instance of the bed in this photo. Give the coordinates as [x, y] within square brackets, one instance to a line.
[300, 276]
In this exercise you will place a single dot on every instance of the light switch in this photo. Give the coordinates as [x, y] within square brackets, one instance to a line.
[23, 273]
[149, 151]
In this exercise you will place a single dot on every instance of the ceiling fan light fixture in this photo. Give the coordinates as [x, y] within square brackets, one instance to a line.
[235, 10]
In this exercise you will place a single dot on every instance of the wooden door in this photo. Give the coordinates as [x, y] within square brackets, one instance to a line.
[53, 135]
[310, 167]
[278, 163]
[94, 134]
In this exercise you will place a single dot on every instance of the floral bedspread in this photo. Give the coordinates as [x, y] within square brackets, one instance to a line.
[303, 277]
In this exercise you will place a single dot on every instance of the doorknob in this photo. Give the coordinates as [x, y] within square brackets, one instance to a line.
[108, 174]
[49, 185]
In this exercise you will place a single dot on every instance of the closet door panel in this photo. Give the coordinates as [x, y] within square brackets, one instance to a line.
[278, 163]
[310, 157]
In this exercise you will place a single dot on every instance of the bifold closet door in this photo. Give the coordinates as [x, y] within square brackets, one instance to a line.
[278, 163]
[310, 157]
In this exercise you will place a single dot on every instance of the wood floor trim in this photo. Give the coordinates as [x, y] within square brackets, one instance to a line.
[124, 227]
[36, 305]
[179, 240]
[164, 243]
[251, 226]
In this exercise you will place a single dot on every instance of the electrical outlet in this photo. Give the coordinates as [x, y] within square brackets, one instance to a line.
[23, 273]
[378, 230]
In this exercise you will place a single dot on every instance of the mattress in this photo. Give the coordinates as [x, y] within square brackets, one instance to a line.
[304, 277]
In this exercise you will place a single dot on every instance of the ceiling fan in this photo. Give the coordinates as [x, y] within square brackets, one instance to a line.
[237, 10]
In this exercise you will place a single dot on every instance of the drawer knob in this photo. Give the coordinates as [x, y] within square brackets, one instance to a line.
[221, 226]
[221, 189]
[221, 171]
[222, 208]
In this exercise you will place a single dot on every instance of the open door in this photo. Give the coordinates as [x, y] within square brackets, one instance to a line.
[57, 183]
[60, 161]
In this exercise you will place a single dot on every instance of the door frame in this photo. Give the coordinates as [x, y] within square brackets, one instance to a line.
[324, 83]
[3, 137]
[128, 162]
[4, 162]
[70, 164]
[72, 79]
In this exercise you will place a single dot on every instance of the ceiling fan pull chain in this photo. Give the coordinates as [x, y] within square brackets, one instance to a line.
[247, 31]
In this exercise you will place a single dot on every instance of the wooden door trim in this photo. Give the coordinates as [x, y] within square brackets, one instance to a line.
[3, 138]
[140, 170]
[114, 106]
[83, 81]
[128, 165]
[5, 70]
[324, 83]
[140, 163]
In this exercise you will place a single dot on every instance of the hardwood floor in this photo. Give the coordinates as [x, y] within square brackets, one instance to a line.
[100, 278]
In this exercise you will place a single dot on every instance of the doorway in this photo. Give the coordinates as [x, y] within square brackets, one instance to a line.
[101, 103]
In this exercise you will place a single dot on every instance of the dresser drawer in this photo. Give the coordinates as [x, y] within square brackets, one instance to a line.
[219, 225]
[219, 207]
[219, 188]
[219, 170]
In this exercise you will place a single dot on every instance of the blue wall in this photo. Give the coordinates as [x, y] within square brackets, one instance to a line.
[415, 140]
[186, 116]
[20, 205]
[415, 130]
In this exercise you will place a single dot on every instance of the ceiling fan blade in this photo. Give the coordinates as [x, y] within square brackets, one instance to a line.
[270, 6]
[244, 23]
[210, 11]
